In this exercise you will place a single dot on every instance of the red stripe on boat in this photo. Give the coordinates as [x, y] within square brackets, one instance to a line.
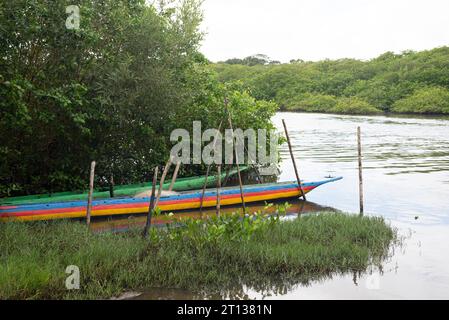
[142, 204]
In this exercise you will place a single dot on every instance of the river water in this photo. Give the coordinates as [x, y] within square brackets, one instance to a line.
[406, 181]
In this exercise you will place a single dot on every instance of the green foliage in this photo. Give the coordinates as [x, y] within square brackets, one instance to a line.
[312, 102]
[249, 112]
[431, 100]
[227, 227]
[354, 105]
[316, 102]
[214, 255]
[111, 91]
[311, 86]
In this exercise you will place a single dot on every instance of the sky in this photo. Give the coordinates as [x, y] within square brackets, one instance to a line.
[313, 30]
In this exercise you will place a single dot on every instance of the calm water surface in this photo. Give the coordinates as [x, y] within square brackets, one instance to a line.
[406, 180]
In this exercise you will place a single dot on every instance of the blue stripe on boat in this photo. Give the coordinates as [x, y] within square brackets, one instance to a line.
[183, 196]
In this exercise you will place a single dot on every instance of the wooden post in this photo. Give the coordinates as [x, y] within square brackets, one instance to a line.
[227, 175]
[161, 184]
[111, 186]
[175, 175]
[236, 157]
[293, 160]
[91, 190]
[301, 208]
[204, 188]
[151, 206]
[218, 188]
[208, 168]
[359, 147]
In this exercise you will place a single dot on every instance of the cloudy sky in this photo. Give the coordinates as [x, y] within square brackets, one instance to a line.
[319, 29]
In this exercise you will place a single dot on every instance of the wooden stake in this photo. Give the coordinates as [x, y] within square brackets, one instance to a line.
[91, 190]
[175, 175]
[301, 208]
[218, 188]
[161, 184]
[359, 147]
[293, 160]
[226, 176]
[236, 157]
[208, 168]
[204, 188]
[111, 186]
[151, 207]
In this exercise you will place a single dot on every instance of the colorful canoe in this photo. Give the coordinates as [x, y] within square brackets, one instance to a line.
[182, 201]
[181, 184]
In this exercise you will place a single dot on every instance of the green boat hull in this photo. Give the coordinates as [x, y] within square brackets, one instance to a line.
[181, 184]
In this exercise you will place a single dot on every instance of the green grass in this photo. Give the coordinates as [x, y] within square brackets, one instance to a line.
[205, 256]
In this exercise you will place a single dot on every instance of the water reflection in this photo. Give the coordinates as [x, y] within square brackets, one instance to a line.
[297, 207]
[260, 288]
[406, 176]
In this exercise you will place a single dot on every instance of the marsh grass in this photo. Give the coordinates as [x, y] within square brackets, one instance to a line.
[201, 255]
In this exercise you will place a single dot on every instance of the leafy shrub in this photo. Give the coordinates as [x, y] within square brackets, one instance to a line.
[431, 100]
[313, 102]
[354, 105]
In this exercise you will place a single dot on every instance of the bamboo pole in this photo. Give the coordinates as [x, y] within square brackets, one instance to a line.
[218, 188]
[91, 190]
[151, 206]
[175, 175]
[293, 160]
[236, 157]
[359, 149]
[161, 184]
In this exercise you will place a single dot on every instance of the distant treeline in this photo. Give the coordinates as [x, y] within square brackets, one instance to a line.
[410, 82]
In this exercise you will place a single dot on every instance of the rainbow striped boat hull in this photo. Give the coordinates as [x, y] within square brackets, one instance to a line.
[182, 201]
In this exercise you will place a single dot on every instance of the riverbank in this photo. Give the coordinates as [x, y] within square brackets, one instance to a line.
[210, 254]
[437, 116]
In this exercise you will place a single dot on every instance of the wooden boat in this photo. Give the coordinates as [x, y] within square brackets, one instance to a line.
[181, 184]
[181, 201]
